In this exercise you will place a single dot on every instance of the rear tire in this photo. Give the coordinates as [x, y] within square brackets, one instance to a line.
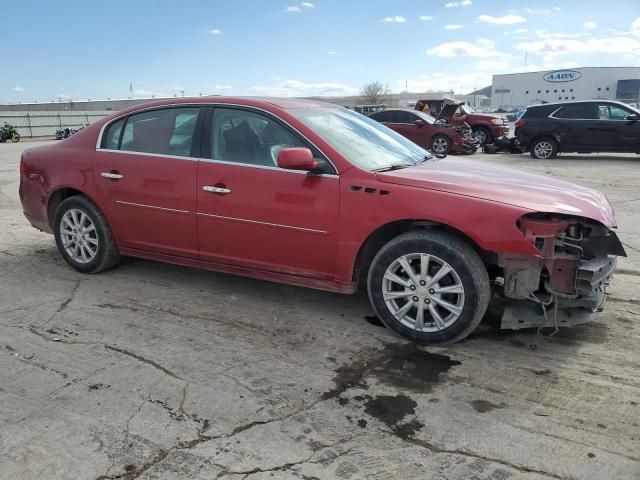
[452, 303]
[544, 148]
[83, 236]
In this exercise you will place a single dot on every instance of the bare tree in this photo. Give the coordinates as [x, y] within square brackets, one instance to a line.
[375, 93]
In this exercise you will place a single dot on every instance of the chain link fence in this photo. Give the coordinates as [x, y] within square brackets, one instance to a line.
[45, 124]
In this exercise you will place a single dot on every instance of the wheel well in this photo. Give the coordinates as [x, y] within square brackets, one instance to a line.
[376, 240]
[56, 199]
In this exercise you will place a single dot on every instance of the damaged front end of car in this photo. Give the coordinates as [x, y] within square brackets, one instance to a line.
[566, 283]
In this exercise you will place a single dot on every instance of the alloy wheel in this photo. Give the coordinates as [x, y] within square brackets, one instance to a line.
[423, 292]
[79, 236]
[543, 149]
[440, 145]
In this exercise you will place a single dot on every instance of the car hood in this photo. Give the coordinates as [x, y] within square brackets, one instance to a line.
[496, 183]
[448, 111]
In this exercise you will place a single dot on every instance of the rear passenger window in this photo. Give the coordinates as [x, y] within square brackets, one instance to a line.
[578, 111]
[405, 117]
[166, 131]
[383, 117]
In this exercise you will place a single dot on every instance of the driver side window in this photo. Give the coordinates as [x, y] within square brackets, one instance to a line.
[612, 112]
[250, 138]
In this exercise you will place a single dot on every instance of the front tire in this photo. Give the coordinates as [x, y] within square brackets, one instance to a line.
[482, 135]
[441, 144]
[83, 236]
[15, 138]
[544, 148]
[429, 287]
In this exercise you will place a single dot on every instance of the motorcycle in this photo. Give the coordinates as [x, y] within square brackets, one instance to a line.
[66, 132]
[9, 132]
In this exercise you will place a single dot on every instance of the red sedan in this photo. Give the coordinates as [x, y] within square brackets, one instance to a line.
[316, 195]
[422, 129]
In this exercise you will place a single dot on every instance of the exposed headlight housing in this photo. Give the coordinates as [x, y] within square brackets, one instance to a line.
[497, 121]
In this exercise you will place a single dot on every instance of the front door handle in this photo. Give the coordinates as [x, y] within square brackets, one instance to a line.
[216, 189]
[111, 175]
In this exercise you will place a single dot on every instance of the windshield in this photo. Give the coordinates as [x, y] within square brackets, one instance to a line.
[361, 140]
[426, 117]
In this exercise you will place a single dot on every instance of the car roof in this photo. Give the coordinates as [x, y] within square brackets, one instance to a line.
[571, 102]
[259, 102]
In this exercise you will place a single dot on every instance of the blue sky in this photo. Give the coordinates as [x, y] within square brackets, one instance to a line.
[80, 49]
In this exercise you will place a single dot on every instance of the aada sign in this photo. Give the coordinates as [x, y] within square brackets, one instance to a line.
[561, 76]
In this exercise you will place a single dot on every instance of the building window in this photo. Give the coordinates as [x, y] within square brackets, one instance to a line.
[599, 89]
[555, 91]
[547, 91]
[566, 98]
[563, 90]
[539, 91]
[559, 98]
[573, 98]
[607, 89]
[527, 91]
[571, 89]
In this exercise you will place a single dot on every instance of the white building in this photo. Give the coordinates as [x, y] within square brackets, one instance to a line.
[588, 83]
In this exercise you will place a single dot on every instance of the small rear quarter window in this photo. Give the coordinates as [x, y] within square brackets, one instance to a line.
[112, 138]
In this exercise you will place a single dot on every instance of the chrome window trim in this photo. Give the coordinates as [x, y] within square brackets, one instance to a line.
[160, 155]
[131, 204]
[266, 224]
[223, 162]
[214, 105]
[267, 167]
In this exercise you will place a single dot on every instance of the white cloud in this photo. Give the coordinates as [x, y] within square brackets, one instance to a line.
[483, 48]
[453, 27]
[332, 52]
[426, 18]
[394, 19]
[504, 20]
[18, 88]
[215, 31]
[465, 82]
[590, 25]
[554, 47]
[296, 88]
[517, 31]
[493, 65]
[299, 8]
[220, 87]
[463, 3]
[635, 26]
[533, 67]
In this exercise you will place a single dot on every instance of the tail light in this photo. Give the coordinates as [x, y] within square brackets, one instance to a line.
[520, 123]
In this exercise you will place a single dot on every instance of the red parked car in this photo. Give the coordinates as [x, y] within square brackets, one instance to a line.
[316, 195]
[422, 129]
[486, 128]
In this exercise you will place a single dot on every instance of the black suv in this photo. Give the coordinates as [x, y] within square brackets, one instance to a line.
[582, 127]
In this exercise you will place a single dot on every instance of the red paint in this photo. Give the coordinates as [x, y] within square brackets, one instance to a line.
[284, 225]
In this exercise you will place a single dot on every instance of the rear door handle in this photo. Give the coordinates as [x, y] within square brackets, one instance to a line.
[111, 175]
[214, 189]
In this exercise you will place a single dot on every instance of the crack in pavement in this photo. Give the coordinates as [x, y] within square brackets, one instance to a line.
[144, 360]
[435, 449]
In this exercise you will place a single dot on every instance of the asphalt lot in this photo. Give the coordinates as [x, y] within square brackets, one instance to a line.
[153, 371]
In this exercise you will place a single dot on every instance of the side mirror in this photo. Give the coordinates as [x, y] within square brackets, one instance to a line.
[419, 123]
[633, 117]
[297, 158]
